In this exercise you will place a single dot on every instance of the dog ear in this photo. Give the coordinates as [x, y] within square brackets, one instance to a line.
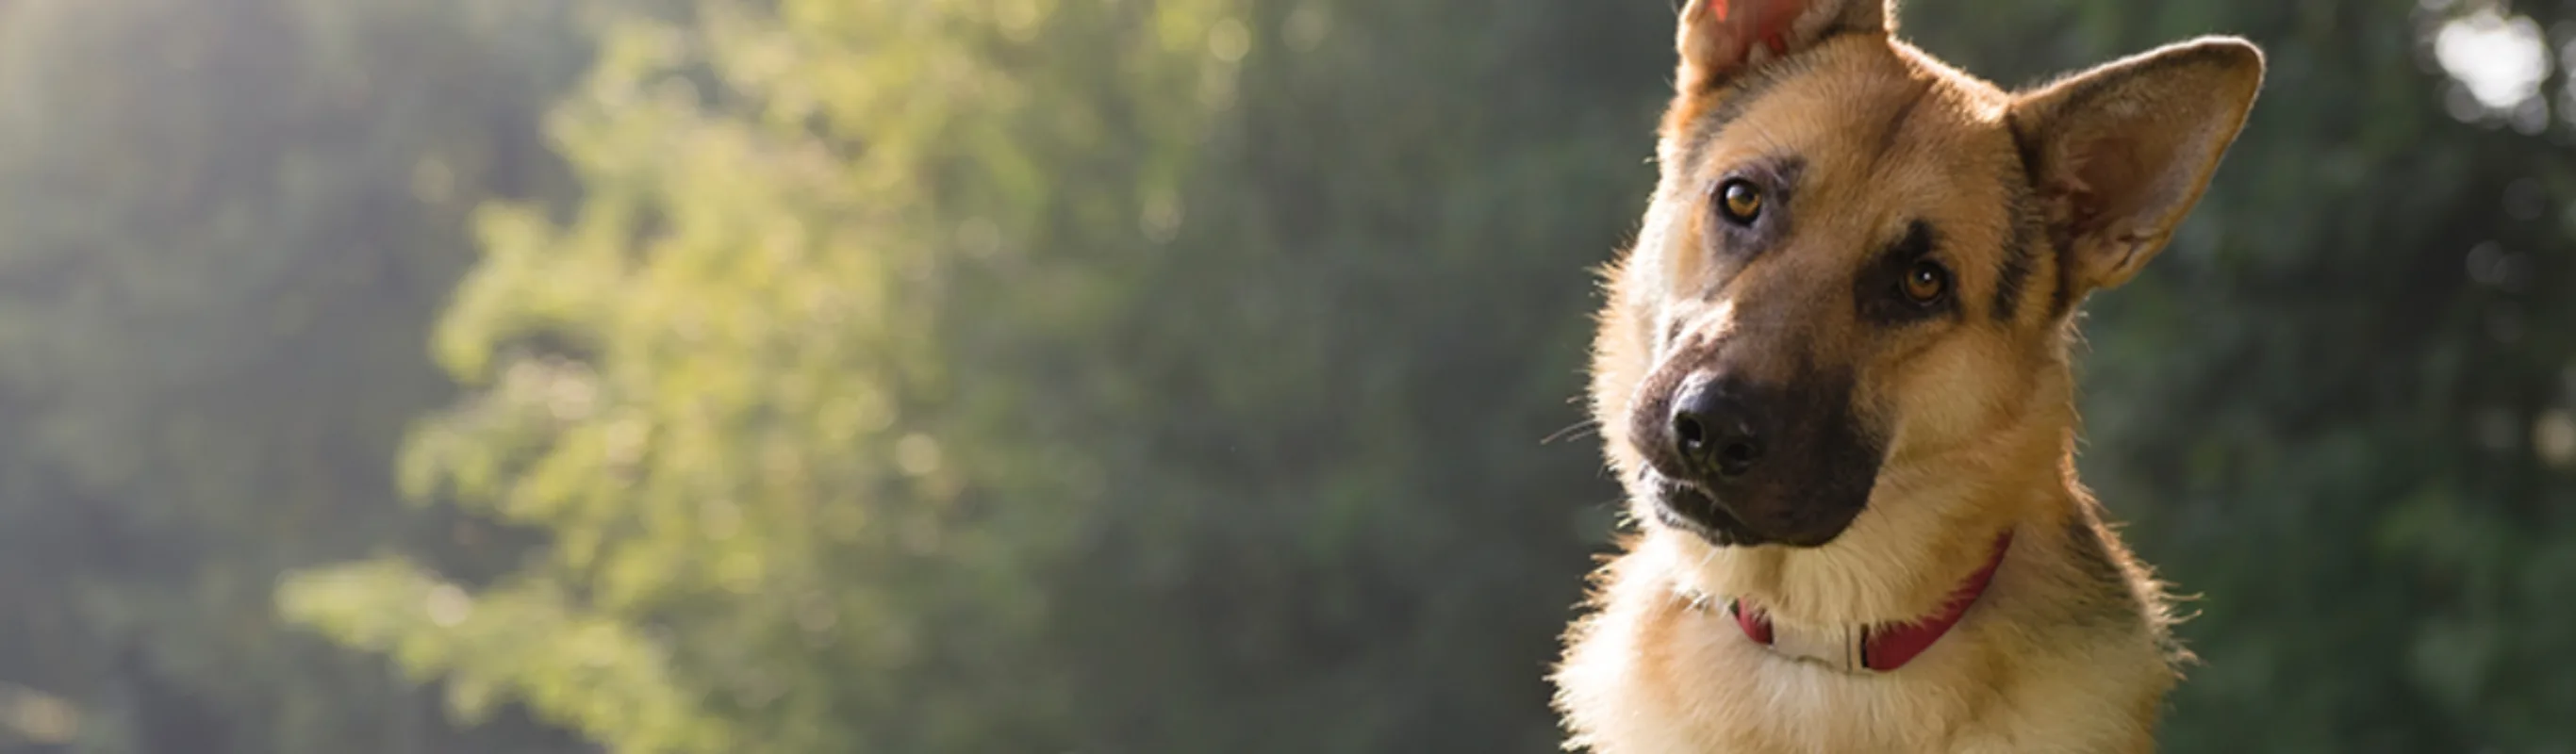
[2120, 154]
[1721, 38]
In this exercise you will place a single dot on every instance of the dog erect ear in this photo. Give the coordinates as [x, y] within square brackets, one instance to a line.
[2119, 154]
[1721, 38]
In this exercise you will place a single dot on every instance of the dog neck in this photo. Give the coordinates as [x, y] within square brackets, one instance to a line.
[1879, 648]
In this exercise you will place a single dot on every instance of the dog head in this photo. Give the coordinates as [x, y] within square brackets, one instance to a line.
[1860, 265]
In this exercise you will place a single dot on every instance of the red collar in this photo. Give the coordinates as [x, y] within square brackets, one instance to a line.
[1881, 648]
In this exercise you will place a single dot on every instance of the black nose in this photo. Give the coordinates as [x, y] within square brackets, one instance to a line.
[1714, 433]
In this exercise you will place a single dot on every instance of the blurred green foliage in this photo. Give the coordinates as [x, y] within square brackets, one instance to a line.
[228, 224]
[1129, 375]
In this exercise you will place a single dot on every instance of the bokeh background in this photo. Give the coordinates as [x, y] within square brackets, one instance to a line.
[1114, 376]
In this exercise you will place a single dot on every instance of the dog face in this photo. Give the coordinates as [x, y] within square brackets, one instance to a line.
[1860, 262]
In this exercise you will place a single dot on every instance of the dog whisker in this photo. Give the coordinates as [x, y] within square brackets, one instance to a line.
[1575, 431]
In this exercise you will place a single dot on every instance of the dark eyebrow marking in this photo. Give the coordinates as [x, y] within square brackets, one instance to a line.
[1896, 124]
[2021, 253]
[1746, 90]
[2061, 295]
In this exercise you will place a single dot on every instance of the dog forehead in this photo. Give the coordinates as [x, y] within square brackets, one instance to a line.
[1855, 111]
[1878, 140]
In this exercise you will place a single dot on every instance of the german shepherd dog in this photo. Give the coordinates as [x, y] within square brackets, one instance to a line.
[1833, 378]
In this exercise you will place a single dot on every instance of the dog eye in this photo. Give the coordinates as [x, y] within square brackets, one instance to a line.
[1926, 282]
[1740, 201]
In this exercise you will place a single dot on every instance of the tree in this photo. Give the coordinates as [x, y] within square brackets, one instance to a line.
[226, 224]
[781, 390]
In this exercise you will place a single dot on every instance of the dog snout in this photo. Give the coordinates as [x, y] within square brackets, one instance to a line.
[1714, 432]
[1745, 461]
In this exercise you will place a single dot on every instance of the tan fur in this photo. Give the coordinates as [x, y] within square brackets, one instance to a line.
[2069, 649]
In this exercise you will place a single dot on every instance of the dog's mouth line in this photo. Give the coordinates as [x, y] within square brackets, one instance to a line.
[1691, 508]
[1707, 516]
